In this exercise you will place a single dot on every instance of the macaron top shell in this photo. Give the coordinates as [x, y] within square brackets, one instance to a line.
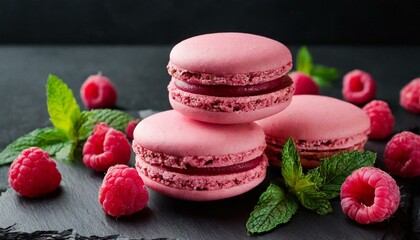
[172, 133]
[312, 117]
[230, 52]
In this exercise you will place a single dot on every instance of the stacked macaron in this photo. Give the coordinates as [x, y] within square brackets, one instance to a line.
[229, 77]
[208, 147]
[193, 160]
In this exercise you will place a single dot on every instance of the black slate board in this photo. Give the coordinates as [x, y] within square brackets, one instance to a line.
[140, 76]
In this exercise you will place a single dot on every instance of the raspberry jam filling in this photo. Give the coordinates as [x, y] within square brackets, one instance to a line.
[236, 168]
[235, 91]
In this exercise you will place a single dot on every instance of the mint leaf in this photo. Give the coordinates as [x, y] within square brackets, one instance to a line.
[304, 61]
[273, 208]
[333, 170]
[62, 106]
[323, 76]
[52, 140]
[291, 169]
[310, 197]
[321, 82]
[315, 201]
[327, 73]
[114, 118]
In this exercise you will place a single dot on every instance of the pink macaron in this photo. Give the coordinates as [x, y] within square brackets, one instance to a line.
[193, 160]
[229, 77]
[320, 126]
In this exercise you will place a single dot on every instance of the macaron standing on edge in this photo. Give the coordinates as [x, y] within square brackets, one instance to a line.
[320, 126]
[229, 77]
[193, 160]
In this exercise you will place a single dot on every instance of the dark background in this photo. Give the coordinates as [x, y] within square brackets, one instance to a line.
[169, 21]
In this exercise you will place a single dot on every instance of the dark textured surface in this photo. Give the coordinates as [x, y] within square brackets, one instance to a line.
[10, 233]
[140, 76]
[169, 21]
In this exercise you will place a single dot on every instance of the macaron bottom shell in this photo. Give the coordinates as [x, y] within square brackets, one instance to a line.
[200, 187]
[227, 117]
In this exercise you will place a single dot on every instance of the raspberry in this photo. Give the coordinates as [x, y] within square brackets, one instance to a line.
[402, 155]
[304, 84]
[130, 129]
[105, 148]
[369, 195]
[358, 87]
[122, 191]
[381, 119]
[33, 173]
[410, 96]
[98, 92]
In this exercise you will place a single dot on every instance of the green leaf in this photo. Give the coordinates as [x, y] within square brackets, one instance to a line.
[332, 172]
[304, 61]
[62, 106]
[114, 118]
[273, 208]
[310, 197]
[327, 73]
[323, 76]
[321, 82]
[291, 169]
[52, 140]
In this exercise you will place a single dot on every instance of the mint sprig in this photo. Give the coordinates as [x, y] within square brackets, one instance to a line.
[312, 190]
[71, 126]
[322, 75]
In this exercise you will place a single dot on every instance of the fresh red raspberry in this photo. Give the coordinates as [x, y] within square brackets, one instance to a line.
[369, 195]
[381, 119]
[129, 130]
[33, 173]
[122, 191]
[358, 87]
[106, 147]
[402, 155]
[98, 92]
[304, 84]
[410, 96]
